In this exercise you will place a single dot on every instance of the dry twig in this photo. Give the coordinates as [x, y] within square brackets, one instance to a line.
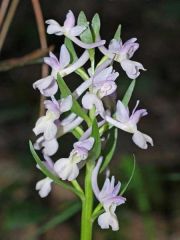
[43, 42]
[7, 21]
[28, 59]
[3, 9]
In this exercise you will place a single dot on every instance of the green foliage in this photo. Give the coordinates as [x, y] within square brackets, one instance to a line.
[76, 108]
[96, 150]
[117, 34]
[96, 25]
[63, 216]
[70, 47]
[129, 92]
[131, 177]
[109, 148]
[86, 36]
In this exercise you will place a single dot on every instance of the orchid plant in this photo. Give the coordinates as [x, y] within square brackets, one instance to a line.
[84, 114]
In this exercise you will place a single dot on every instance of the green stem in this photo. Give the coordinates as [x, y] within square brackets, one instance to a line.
[87, 206]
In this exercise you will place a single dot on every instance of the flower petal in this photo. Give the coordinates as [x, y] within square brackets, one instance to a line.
[65, 169]
[50, 130]
[66, 104]
[90, 100]
[44, 187]
[77, 30]
[141, 139]
[50, 147]
[64, 58]
[107, 220]
[132, 68]
[95, 176]
[122, 112]
[53, 27]
[70, 20]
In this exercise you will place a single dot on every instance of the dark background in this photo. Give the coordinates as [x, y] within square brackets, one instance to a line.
[152, 209]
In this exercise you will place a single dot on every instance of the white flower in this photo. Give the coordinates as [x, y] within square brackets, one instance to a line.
[104, 81]
[122, 53]
[44, 187]
[67, 168]
[108, 197]
[129, 123]
[109, 219]
[46, 124]
[49, 147]
[70, 30]
[90, 100]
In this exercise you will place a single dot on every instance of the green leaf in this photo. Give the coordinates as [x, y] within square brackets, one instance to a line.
[85, 36]
[109, 148]
[117, 34]
[70, 47]
[128, 94]
[76, 108]
[70, 211]
[96, 24]
[96, 150]
[132, 174]
[46, 171]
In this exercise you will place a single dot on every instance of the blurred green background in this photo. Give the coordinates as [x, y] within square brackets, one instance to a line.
[152, 208]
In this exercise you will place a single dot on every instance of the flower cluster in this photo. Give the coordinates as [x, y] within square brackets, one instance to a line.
[73, 111]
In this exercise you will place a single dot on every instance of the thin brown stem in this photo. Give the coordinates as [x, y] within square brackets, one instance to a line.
[3, 9]
[34, 57]
[43, 42]
[7, 22]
